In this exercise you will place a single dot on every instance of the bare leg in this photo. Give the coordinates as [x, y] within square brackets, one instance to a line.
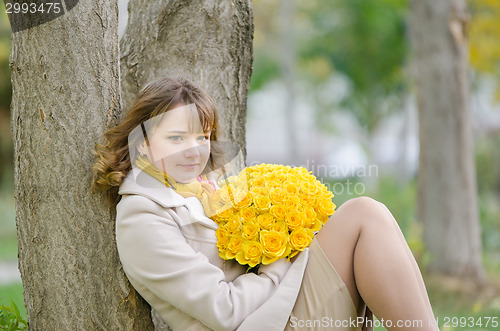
[365, 245]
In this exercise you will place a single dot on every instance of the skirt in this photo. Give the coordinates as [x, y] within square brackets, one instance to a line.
[324, 302]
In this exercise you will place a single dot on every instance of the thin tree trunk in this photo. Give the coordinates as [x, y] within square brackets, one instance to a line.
[209, 42]
[65, 79]
[447, 193]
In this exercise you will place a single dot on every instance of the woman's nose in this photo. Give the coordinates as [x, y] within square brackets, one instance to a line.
[192, 149]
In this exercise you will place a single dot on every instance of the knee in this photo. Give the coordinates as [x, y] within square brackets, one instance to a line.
[367, 210]
[362, 204]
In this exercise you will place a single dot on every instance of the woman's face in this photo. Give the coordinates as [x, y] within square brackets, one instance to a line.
[178, 146]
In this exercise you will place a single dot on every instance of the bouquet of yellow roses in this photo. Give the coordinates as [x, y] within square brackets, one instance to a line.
[268, 212]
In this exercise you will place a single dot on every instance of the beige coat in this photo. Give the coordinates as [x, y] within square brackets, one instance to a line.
[168, 250]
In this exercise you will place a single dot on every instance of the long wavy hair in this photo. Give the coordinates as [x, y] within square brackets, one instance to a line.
[113, 159]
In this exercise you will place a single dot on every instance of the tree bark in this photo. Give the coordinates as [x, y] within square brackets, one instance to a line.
[447, 192]
[209, 42]
[65, 79]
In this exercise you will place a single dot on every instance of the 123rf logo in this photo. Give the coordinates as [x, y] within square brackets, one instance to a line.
[26, 14]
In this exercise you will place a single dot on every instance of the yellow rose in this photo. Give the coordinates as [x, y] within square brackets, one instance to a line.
[310, 215]
[270, 177]
[265, 221]
[247, 214]
[280, 226]
[224, 214]
[295, 220]
[234, 245]
[259, 190]
[258, 181]
[309, 188]
[305, 175]
[277, 194]
[281, 177]
[250, 254]
[262, 202]
[291, 202]
[278, 211]
[300, 238]
[273, 184]
[250, 230]
[291, 187]
[255, 171]
[326, 206]
[233, 225]
[242, 199]
[274, 245]
[222, 238]
[307, 200]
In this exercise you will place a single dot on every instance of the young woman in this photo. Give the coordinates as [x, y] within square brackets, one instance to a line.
[151, 169]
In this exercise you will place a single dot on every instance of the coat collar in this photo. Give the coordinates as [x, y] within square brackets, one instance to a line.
[140, 183]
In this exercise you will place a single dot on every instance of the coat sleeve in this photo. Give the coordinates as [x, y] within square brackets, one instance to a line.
[155, 254]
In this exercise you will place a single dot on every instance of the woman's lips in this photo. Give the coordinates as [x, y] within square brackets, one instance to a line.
[189, 166]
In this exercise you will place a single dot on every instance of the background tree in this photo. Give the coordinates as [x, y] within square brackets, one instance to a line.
[65, 92]
[447, 193]
[65, 78]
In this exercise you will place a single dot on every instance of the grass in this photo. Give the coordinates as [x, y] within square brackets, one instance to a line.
[13, 292]
[453, 298]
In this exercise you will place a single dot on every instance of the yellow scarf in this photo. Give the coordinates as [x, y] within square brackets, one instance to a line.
[201, 188]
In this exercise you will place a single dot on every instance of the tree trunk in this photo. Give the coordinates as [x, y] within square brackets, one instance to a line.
[209, 42]
[65, 79]
[447, 193]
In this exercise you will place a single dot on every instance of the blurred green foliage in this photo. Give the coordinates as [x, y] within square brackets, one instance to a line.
[362, 40]
[12, 295]
[5, 86]
[6, 148]
[8, 239]
[484, 32]
[11, 319]
[365, 41]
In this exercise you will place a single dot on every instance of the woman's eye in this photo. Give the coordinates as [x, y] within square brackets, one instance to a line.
[174, 138]
[205, 137]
